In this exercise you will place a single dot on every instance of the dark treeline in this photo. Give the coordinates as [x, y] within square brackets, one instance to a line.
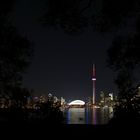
[16, 53]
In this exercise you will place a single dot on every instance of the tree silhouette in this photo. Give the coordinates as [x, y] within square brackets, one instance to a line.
[123, 57]
[75, 16]
[15, 51]
[68, 15]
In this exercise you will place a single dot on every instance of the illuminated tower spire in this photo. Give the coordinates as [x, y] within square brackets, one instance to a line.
[94, 80]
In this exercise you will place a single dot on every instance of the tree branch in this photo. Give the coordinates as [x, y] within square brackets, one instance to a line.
[88, 6]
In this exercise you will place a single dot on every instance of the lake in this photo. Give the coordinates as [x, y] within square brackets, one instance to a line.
[95, 116]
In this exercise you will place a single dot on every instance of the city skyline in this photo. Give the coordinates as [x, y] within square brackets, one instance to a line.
[69, 62]
[62, 64]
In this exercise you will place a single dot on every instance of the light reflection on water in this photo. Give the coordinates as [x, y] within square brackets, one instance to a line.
[88, 115]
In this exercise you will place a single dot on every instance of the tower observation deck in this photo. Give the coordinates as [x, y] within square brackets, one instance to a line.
[94, 84]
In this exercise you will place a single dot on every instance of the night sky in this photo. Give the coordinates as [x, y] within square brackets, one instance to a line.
[62, 64]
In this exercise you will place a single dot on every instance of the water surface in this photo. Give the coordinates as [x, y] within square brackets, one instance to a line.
[95, 116]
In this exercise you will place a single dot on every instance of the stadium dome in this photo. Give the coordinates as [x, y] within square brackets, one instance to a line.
[77, 102]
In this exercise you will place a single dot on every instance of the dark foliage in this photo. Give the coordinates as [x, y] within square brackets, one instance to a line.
[15, 56]
[127, 114]
[15, 51]
[68, 15]
[42, 115]
[74, 16]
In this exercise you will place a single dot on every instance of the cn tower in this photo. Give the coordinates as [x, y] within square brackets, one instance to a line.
[94, 85]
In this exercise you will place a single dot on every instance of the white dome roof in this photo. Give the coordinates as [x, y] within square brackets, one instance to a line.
[77, 102]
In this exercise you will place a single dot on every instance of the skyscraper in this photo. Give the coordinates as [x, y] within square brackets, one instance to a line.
[94, 85]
